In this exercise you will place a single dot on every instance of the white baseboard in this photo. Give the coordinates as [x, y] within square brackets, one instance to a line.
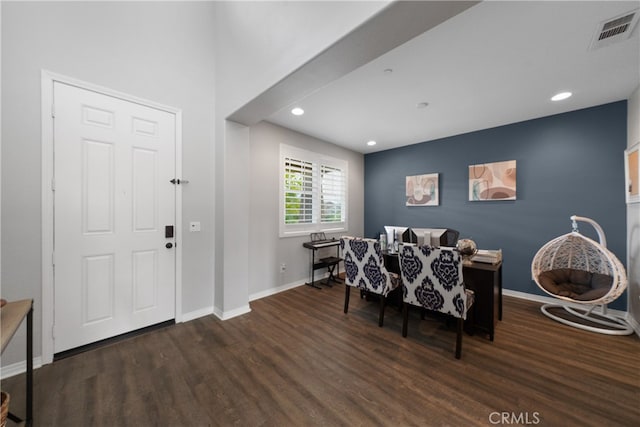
[285, 287]
[197, 313]
[551, 300]
[222, 315]
[273, 291]
[19, 368]
[226, 315]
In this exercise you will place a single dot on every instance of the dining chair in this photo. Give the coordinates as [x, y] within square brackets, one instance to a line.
[365, 270]
[432, 279]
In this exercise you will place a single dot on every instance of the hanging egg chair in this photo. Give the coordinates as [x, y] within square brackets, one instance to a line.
[582, 273]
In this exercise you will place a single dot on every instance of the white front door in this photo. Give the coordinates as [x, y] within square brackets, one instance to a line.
[114, 269]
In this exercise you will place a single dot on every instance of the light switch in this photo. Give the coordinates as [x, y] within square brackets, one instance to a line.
[194, 226]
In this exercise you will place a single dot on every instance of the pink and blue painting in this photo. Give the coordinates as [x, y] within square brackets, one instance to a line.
[492, 181]
[422, 190]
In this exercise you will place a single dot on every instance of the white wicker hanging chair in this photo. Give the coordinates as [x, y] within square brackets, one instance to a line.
[581, 271]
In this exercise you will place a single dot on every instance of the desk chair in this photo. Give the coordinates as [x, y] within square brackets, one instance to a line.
[452, 237]
[332, 262]
[432, 279]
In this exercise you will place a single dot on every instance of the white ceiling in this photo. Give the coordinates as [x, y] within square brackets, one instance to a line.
[493, 64]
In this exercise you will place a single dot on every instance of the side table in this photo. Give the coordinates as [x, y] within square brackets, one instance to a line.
[12, 315]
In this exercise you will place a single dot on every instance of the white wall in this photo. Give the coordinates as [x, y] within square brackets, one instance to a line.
[267, 250]
[235, 230]
[0, 150]
[633, 217]
[257, 45]
[158, 51]
[207, 59]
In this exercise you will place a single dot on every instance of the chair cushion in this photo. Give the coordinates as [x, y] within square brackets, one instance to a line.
[579, 285]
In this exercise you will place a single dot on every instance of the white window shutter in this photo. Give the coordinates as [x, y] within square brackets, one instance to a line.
[313, 195]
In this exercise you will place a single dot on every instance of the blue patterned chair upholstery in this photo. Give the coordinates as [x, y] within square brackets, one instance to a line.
[432, 279]
[365, 270]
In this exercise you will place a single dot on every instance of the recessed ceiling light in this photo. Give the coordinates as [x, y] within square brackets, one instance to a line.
[422, 104]
[388, 70]
[371, 143]
[297, 111]
[560, 96]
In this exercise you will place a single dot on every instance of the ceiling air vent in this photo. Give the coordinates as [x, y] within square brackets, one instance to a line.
[615, 30]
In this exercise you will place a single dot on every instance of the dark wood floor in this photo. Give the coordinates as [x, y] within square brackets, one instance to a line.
[297, 360]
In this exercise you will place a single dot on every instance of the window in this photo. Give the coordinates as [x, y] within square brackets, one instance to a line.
[313, 192]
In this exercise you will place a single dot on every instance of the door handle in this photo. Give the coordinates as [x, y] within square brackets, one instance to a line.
[168, 245]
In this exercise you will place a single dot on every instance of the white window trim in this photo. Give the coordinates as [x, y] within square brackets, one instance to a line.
[294, 230]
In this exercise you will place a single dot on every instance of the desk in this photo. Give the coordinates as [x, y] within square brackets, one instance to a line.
[486, 282]
[12, 316]
[324, 262]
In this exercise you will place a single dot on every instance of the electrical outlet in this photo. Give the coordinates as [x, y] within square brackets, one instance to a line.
[283, 267]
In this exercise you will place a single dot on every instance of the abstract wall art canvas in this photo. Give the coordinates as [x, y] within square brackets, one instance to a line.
[492, 181]
[632, 173]
[422, 190]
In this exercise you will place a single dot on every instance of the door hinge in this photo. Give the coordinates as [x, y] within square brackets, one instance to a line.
[53, 259]
[53, 184]
[53, 331]
[53, 111]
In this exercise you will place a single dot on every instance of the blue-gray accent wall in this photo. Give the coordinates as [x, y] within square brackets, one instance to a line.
[570, 163]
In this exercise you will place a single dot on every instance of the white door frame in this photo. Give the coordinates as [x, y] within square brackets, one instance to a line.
[48, 303]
